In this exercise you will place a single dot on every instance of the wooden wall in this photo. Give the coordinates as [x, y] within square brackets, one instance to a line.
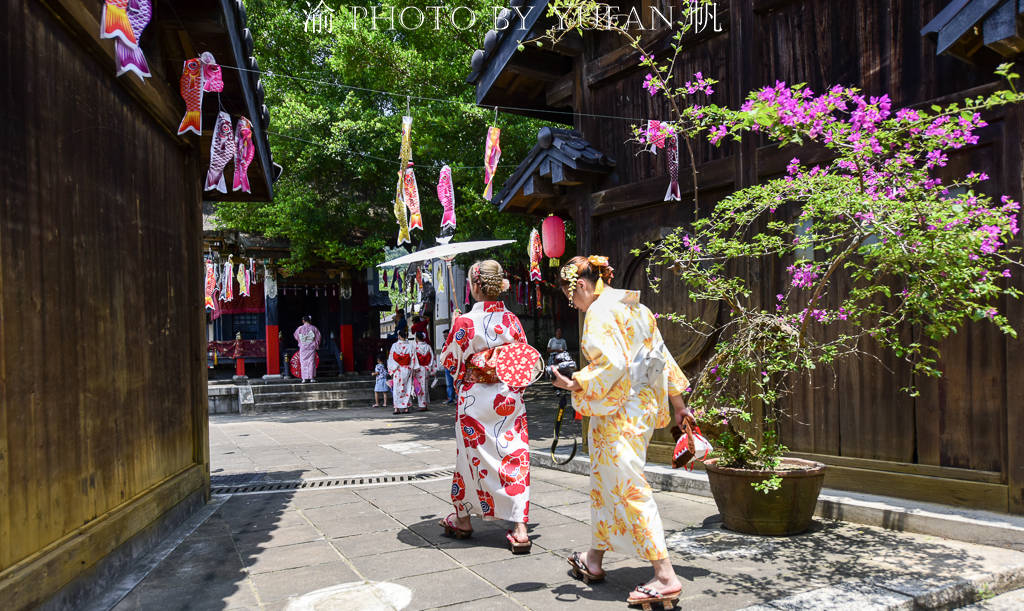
[102, 374]
[961, 441]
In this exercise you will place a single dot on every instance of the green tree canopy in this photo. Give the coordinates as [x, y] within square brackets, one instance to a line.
[339, 144]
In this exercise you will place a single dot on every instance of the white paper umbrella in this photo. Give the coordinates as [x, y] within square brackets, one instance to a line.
[444, 251]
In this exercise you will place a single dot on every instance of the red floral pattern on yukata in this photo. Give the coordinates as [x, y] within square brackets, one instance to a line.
[472, 431]
[515, 472]
[486, 502]
[504, 405]
[520, 428]
[458, 487]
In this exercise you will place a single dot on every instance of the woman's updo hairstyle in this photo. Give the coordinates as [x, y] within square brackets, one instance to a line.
[588, 268]
[489, 277]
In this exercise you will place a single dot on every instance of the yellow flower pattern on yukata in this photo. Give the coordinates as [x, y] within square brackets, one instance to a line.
[622, 419]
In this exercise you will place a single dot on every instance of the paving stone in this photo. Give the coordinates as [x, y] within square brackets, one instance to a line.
[1011, 601]
[558, 496]
[446, 588]
[494, 603]
[847, 596]
[378, 543]
[577, 511]
[291, 556]
[279, 585]
[404, 563]
[523, 573]
[310, 499]
[254, 541]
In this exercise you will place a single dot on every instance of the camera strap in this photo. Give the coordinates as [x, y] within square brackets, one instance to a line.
[559, 414]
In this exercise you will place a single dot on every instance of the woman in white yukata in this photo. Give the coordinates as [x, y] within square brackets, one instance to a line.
[625, 389]
[401, 366]
[492, 461]
[427, 367]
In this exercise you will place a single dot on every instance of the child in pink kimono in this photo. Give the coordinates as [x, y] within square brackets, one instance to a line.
[427, 367]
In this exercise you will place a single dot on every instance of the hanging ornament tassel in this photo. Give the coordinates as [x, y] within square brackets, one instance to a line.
[446, 195]
[536, 252]
[672, 145]
[492, 153]
[412, 198]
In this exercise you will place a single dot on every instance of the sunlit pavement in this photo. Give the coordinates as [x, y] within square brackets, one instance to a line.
[378, 546]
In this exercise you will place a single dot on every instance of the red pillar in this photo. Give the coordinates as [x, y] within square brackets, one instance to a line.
[347, 347]
[239, 367]
[273, 351]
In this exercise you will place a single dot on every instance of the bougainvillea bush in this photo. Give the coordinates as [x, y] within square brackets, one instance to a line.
[914, 251]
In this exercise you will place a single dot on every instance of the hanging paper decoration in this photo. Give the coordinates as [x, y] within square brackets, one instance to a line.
[192, 92]
[243, 280]
[404, 156]
[115, 23]
[228, 293]
[468, 295]
[553, 231]
[129, 56]
[244, 152]
[222, 150]
[384, 279]
[446, 194]
[252, 269]
[213, 80]
[412, 199]
[211, 284]
[672, 145]
[492, 153]
[536, 251]
[419, 278]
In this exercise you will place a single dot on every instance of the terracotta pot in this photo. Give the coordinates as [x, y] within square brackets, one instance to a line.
[786, 511]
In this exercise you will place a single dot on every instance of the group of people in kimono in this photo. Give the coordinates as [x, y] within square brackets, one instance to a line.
[411, 365]
[626, 389]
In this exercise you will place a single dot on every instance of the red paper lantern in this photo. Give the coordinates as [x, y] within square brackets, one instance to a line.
[553, 236]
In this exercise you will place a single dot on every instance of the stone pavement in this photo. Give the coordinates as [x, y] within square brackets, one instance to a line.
[378, 546]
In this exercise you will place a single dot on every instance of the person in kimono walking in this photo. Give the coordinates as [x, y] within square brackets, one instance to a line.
[492, 457]
[427, 368]
[626, 390]
[401, 360]
[308, 337]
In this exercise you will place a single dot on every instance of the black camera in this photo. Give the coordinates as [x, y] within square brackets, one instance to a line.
[564, 362]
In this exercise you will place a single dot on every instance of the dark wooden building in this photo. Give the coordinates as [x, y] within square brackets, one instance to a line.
[103, 411]
[962, 440]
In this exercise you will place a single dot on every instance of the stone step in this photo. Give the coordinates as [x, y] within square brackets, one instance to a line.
[310, 387]
[306, 405]
[315, 395]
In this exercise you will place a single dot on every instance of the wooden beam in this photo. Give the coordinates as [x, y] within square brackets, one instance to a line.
[560, 93]
[538, 186]
[712, 175]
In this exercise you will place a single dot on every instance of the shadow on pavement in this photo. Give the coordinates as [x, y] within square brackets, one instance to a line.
[207, 570]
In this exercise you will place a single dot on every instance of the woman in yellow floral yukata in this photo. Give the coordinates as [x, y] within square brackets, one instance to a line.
[625, 390]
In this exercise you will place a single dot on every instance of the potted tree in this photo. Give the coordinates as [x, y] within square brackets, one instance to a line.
[914, 247]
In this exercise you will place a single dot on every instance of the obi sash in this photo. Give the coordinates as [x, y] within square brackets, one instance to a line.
[480, 367]
[403, 360]
[424, 359]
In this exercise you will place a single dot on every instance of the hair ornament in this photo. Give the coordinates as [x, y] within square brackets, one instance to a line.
[570, 273]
